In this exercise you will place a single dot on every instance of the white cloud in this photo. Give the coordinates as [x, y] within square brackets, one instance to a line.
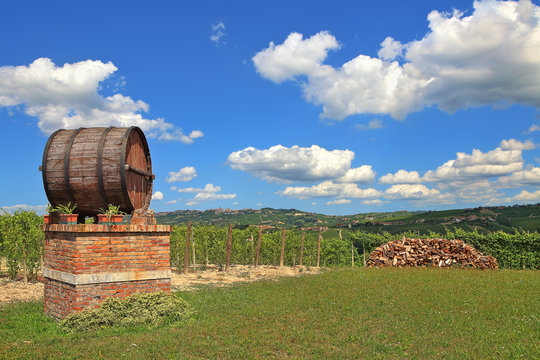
[362, 174]
[528, 176]
[235, 203]
[208, 196]
[497, 162]
[533, 128]
[513, 144]
[295, 56]
[173, 188]
[280, 163]
[218, 32]
[372, 125]
[487, 58]
[329, 189]
[339, 202]
[375, 202]
[401, 177]
[158, 195]
[185, 174]
[415, 192]
[208, 193]
[67, 97]
[473, 190]
[178, 135]
[209, 188]
[39, 209]
[171, 202]
[390, 49]
[525, 196]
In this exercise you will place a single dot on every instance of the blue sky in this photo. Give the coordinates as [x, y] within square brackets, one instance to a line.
[334, 107]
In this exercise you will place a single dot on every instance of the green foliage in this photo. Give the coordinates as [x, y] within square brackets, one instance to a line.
[50, 209]
[211, 243]
[66, 209]
[111, 210]
[139, 309]
[21, 242]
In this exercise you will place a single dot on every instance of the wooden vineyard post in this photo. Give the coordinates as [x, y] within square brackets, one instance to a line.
[186, 253]
[302, 248]
[258, 251]
[193, 250]
[229, 245]
[319, 250]
[282, 248]
[364, 249]
[178, 256]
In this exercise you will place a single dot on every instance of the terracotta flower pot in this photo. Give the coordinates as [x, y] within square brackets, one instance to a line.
[104, 218]
[68, 218]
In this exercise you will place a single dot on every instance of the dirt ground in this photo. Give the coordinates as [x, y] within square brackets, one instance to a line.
[11, 291]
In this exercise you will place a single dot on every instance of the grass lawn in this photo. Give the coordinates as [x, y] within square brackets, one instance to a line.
[339, 314]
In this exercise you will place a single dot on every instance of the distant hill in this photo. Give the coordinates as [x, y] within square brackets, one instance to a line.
[484, 219]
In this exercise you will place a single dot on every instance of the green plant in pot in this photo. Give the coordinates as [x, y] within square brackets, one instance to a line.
[66, 213]
[50, 210]
[111, 214]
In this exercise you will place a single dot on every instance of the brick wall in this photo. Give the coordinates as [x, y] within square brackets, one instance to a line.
[85, 264]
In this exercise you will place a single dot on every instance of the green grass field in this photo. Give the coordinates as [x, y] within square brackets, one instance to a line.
[339, 314]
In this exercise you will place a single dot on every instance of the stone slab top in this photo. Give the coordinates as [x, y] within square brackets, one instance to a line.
[96, 228]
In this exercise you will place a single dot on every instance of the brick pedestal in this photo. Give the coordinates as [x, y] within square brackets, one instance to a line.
[85, 264]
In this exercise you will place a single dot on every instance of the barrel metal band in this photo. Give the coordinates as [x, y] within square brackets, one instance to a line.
[44, 167]
[85, 279]
[123, 167]
[102, 191]
[66, 165]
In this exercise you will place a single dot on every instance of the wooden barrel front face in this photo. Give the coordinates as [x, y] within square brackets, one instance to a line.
[94, 167]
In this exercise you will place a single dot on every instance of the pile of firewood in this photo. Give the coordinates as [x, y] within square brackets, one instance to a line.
[429, 252]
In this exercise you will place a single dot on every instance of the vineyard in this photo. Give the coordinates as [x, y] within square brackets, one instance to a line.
[21, 245]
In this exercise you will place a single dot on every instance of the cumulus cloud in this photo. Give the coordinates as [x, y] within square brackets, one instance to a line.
[339, 202]
[487, 58]
[208, 193]
[513, 144]
[414, 192]
[209, 188]
[360, 175]
[472, 190]
[329, 189]
[218, 32]
[68, 97]
[533, 128]
[280, 163]
[185, 174]
[525, 196]
[295, 56]
[158, 195]
[401, 177]
[497, 162]
[178, 135]
[528, 176]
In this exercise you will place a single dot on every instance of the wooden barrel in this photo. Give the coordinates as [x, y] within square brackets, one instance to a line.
[94, 167]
